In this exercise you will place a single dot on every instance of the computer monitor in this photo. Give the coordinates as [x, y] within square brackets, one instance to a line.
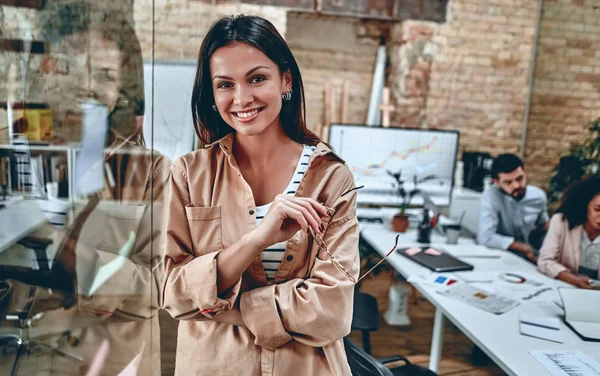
[371, 152]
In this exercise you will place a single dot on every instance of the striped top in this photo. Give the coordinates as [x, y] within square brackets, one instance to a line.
[272, 256]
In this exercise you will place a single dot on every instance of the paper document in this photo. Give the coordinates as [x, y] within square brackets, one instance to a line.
[521, 286]
[477, 277]
[89, 166]
[479, 298]
[541, 327]
[567, 363]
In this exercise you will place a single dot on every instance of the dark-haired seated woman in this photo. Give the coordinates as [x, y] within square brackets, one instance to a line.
[571, 250]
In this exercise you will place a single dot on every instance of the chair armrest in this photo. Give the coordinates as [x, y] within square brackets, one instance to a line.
[394, 358]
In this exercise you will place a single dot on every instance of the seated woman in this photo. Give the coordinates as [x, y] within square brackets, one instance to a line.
[571, 250]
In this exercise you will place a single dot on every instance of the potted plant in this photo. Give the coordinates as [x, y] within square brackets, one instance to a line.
[583, 160]
[400, 220]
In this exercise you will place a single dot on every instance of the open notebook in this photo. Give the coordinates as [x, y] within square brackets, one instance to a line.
[581, 312]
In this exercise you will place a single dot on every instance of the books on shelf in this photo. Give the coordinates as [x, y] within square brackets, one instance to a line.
[28, 167]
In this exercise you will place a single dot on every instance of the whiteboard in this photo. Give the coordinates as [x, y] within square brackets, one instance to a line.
[172, 123]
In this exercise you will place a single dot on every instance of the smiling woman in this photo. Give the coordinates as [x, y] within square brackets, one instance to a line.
[239, 74]
[255, 292]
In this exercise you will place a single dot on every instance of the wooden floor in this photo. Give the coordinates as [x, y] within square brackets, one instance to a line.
[411, 341]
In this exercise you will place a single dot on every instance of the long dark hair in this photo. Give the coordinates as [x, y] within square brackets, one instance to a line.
[576, 199]
[262, 35]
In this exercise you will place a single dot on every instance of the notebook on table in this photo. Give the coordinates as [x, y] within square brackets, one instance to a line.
[581, 312]
[435, 259]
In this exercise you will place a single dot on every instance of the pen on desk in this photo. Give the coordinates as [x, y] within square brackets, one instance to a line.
[537, 293]
[539, 325]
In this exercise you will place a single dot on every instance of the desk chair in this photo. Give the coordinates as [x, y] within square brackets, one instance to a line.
[363, 364]
[21, 342]
[365, 314]
[365, 317]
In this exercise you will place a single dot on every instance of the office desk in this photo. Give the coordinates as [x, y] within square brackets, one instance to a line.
[18, 220]
[497, 335]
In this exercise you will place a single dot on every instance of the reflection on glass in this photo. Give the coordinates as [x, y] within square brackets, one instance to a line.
[80, 260]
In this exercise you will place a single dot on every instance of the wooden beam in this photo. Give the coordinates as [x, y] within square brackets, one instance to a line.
[35, 4]
[18, 45]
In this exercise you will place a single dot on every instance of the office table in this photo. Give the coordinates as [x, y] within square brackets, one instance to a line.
[17, 220]
[497, 335]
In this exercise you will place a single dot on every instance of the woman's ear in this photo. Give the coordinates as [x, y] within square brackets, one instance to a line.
[287, 81]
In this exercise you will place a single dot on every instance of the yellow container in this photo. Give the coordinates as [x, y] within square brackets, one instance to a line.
[35, 123]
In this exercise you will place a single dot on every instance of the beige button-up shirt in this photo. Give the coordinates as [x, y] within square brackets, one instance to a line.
[293, 326]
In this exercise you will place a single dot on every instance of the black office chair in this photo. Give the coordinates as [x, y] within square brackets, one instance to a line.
[363, 364]
[21, 344]
[365, 317]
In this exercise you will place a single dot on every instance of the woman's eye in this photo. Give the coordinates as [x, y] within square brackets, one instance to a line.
[224, 85]
[257, 79]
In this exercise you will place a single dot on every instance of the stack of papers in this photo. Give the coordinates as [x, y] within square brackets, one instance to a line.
[479, 298]
[567, 363]
[541, 327]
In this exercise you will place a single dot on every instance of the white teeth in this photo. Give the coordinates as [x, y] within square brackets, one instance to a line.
[245, 115]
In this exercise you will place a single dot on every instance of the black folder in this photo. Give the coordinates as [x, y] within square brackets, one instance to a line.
[442, 263]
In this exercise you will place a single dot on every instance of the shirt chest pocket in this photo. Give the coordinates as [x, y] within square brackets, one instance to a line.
[109, 225]
[205, 228]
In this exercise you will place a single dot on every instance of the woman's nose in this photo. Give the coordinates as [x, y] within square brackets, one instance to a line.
[243, 96]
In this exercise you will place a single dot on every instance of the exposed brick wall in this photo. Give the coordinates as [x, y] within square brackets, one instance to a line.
[566, 93]
[469, 73]
[180, 25]
[333, 50]
[18, 23]
[480, 72]
[411, 56]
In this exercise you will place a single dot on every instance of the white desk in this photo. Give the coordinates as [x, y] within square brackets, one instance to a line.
[17, 220]
[497, 336]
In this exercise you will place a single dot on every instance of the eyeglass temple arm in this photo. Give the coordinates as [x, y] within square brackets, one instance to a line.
[383, 259]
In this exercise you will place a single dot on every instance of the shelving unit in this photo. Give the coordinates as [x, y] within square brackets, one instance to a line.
[47, 151]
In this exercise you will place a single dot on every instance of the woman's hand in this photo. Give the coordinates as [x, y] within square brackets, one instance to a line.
[286, 216]
[582, 282]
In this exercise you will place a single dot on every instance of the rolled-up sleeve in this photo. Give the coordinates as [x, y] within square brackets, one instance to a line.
[549, 260]
[488, 225]
[190, 289]
[315, 311]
